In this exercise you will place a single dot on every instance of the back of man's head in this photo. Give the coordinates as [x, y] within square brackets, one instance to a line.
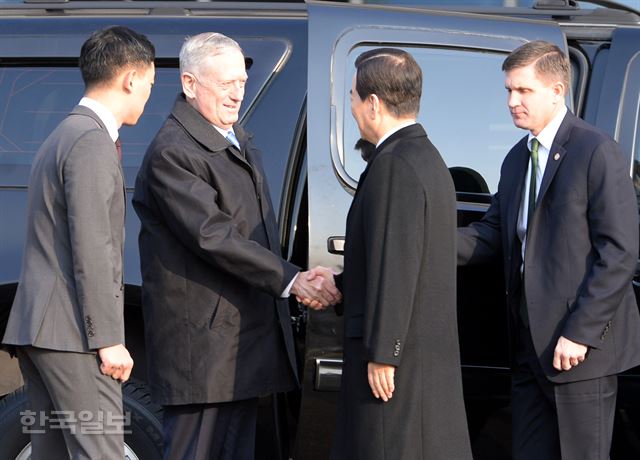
[198, 48]
[109, 51]
[550, 62]
[394, 76]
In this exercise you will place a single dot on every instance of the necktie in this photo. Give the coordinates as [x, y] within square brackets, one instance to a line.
[231, 137]
[532, 181]
[119, 148]
[524, 314]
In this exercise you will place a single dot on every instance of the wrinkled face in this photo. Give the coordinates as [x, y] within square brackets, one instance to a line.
[218, 88]
[532, 102]
[360, 110]
[142, 81]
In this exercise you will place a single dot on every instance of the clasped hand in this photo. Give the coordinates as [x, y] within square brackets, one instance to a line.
[568, 354]
[316, 288]
[116, 362]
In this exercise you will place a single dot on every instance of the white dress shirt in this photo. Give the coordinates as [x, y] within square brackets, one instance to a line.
[545, 140]
[104, 114]
[394, 130]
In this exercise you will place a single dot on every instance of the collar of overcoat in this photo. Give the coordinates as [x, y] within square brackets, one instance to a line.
[408, 132]
[205, 134]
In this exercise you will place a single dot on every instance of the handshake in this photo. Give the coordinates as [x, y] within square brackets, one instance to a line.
[316, 288]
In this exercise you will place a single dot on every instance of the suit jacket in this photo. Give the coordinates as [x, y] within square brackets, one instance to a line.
[212, 274]
[399, 291]
[70, 295]
[581, 252]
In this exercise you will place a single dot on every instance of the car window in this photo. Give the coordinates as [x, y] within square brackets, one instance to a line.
[636, 151]
[35, 98]
[463, 109]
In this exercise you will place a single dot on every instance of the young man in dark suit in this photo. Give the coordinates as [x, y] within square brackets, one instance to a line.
[565, 222]
[401, 391]
[67, 318]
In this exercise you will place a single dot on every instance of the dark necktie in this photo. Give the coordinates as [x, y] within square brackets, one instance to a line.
[533, 180]
[524, 314]
[119, 148]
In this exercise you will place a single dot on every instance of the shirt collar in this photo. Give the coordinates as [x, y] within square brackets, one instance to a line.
[548, 134]
[224, 132]
[104, 114]
[393, 130]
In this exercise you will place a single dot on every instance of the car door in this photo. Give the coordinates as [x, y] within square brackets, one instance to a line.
[464, 112]
[616, 109]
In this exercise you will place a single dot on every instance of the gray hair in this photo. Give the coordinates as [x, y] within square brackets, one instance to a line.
[199, 47]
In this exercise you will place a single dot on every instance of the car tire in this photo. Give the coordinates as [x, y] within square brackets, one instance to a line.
[143, 442]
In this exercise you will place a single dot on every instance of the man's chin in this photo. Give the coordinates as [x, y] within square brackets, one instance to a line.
[519, 123]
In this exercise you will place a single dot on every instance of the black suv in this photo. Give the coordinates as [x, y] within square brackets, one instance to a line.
[297, 105]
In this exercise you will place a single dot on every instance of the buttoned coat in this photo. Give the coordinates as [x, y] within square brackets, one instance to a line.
[215, 327]
[581, 250]
[70, 294]
[399, 291]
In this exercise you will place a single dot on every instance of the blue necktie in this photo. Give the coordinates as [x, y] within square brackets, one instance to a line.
[231, 137]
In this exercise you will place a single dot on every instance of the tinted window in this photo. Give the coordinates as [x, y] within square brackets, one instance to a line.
[463, 109]
[35, 99]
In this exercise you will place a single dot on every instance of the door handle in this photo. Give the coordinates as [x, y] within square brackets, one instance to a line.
[335, 245]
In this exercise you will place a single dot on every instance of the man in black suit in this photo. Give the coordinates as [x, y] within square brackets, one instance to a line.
[565, 221]
[401, 391]
[217, 324]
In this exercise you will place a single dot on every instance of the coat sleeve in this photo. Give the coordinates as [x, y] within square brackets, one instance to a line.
[90, 173]
[481, 241]
[188, 204]
[613, 226]
[394, 210]
[339, 308]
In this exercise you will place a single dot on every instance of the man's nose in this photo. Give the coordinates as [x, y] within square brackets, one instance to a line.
[237, 91]
[513, 100]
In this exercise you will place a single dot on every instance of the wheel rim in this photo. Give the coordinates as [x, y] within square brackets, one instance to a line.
[25, 454]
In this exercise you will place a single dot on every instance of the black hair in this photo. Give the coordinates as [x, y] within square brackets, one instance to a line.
[108, 51]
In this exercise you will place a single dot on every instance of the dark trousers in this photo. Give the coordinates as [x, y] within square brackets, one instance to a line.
[74, 410]
[569, 421]
[219, 431]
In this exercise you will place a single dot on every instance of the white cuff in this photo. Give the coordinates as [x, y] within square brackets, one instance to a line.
[287, 290]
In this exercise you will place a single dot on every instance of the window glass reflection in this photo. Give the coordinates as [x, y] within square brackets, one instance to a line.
[463, 109]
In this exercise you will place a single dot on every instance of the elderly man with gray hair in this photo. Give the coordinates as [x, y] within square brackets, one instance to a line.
[217, 324]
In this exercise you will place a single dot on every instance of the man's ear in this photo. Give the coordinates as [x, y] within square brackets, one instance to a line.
[128, 79]
[374, 103]
[188, 85]
[559, 91]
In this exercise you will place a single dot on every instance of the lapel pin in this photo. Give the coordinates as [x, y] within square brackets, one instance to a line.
[556, 156]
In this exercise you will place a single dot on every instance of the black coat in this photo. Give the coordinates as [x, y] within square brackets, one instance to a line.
[581, 253]
[211, 267]
[399, 288]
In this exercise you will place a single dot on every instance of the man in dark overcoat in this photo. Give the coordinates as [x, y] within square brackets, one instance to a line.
[565, 223]
[401, 393]
[217, 327]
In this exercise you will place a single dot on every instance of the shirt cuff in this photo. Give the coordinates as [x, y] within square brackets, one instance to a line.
[287, 290]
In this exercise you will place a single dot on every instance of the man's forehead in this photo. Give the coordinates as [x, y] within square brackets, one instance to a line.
[229, 63]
